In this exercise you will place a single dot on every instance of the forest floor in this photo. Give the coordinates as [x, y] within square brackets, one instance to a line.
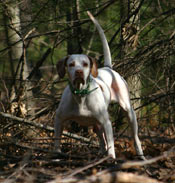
[28, 158]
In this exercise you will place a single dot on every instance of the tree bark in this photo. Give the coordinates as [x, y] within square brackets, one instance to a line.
[11, 17]
[129, 39]
[73, 19]
[25, 18]
[18, 19]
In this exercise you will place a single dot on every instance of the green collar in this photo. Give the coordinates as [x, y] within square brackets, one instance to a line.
[82, 92]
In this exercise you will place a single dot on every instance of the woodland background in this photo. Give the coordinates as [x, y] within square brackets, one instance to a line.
[34, 35]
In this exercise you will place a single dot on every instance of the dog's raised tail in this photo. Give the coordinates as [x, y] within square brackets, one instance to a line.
[106, 50]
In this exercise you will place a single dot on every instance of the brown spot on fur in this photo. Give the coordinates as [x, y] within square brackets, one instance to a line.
[101, 88]
[94, 67]
[61, 67]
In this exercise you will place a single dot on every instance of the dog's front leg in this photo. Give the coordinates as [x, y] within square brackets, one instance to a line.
[98, 129]
[109, 138]
[107, 126]
[58, 128]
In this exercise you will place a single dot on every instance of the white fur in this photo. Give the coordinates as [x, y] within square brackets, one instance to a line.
[92, 109]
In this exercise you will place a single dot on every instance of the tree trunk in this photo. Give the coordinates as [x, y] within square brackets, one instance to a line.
[11, 17]
[18, 18]
[129, 38]
[25, 17]
[74, 43]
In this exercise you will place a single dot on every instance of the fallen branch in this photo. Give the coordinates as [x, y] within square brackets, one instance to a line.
[56, 154]
[79, 170]
[112, 177]
[45, 127]
[166, 154]
[132, 164]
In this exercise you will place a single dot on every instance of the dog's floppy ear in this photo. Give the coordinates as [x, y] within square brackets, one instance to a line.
[94, 67]
[61, 67]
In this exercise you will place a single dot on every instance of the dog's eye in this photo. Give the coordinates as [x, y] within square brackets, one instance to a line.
[85, 64]
[72, 64]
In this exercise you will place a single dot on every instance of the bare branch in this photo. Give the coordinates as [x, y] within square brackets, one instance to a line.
[112, 177]
[45, 127]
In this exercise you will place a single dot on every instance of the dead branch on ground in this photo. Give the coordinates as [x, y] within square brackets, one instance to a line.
[45, 127]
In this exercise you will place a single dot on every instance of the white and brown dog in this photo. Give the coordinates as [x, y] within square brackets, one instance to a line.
[87, 97]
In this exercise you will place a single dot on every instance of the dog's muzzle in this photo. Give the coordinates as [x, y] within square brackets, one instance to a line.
[79, 78]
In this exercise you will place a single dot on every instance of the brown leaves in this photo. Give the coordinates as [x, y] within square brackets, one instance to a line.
[25, 159]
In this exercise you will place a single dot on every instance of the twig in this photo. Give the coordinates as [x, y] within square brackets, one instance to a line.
[28, 34]
[45, 127]
[111, 177]
[58, 154]
[39, 63]
[79, 170]
[166, 154]
[107, 176]
[132, 164]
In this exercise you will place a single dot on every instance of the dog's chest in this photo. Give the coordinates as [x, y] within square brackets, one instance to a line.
[82, 108]
[82, 113]
[83, 117]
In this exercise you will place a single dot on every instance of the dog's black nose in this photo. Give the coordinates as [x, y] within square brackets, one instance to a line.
[79, 72]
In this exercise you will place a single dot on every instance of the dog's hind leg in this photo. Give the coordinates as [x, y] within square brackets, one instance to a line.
[122, 94]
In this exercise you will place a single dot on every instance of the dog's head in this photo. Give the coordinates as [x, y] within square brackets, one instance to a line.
[79, 67]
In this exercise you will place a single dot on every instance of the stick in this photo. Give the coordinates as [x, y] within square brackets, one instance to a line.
[166, 154]
[45, 127]
[79, 170]
[111, 177]
[59, 155]
[39, 63]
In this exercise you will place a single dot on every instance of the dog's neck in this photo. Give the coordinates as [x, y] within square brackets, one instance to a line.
[82, 92]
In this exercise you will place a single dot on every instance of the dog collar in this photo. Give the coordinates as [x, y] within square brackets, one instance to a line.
[82, 92]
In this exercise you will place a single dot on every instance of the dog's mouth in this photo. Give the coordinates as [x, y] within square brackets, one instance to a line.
[78, 82]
